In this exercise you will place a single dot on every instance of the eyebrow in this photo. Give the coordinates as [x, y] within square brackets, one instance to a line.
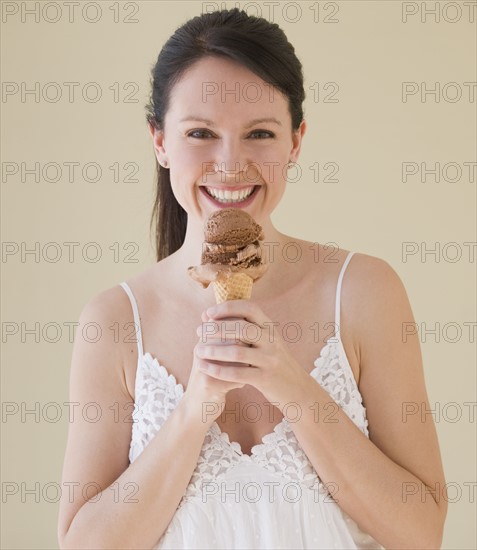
[249, 125]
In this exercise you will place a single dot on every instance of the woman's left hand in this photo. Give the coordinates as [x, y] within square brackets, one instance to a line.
[264, 361]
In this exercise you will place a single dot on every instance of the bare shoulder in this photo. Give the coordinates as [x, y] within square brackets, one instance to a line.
[373, 275]
[110, 301]
[375, 301]
[105, 321]
[371, 270]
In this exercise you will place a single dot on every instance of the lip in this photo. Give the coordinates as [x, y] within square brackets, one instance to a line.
[242, 204]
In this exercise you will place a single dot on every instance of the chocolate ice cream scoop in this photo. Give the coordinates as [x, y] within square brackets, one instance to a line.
[232, 226]
[231, 246]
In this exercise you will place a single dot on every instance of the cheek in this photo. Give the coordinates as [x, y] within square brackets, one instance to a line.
[189, 158]
[271, 165]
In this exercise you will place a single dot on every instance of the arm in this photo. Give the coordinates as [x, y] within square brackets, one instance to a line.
[387, 483]
[97, 452]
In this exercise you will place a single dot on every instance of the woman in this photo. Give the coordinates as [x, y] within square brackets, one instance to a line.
[305, 443]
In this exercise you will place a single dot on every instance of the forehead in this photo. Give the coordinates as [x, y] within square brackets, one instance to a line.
[215, 87]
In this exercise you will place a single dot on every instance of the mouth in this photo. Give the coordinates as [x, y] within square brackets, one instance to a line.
[240, 196]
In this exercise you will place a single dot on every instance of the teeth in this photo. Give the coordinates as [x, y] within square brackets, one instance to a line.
[229, 196]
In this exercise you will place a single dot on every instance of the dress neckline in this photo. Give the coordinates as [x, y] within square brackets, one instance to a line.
[281, 426]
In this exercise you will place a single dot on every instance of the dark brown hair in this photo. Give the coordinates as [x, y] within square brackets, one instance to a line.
[256, 43]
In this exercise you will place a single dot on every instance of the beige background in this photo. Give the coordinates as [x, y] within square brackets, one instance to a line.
[369, 133]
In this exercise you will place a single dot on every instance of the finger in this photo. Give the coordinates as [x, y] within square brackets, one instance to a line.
[232, 331]
[244, 309]
[208, 330]
[244, 375]
[230, 353]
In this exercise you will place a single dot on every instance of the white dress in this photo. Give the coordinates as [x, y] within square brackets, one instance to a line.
[272, 499]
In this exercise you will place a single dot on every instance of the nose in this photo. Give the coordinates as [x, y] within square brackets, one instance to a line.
[231, 161]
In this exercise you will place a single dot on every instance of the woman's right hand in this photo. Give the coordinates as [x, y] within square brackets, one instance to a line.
[205, 394]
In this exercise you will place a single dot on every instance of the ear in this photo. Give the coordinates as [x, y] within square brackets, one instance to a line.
[297, 136]
[158, 142]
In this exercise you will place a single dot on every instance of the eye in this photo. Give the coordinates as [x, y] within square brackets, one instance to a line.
[206, 134]
[263, 133]
[199, 134]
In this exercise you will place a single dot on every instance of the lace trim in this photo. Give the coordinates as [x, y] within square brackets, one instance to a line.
[158, 393]
[340, 383]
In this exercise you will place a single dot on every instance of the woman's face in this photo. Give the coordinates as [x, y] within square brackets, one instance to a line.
[227, 133]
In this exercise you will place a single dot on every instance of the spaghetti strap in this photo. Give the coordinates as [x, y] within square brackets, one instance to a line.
[137, 321]
[338, 296]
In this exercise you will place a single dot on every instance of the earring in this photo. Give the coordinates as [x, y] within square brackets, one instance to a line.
[290, 164]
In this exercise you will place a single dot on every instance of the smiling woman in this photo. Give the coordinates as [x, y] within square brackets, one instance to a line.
[269, 441]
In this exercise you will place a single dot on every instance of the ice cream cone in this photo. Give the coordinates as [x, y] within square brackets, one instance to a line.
[237, 286]
[231, 258]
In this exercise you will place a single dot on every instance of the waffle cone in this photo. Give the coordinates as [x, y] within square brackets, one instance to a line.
[237, 286]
